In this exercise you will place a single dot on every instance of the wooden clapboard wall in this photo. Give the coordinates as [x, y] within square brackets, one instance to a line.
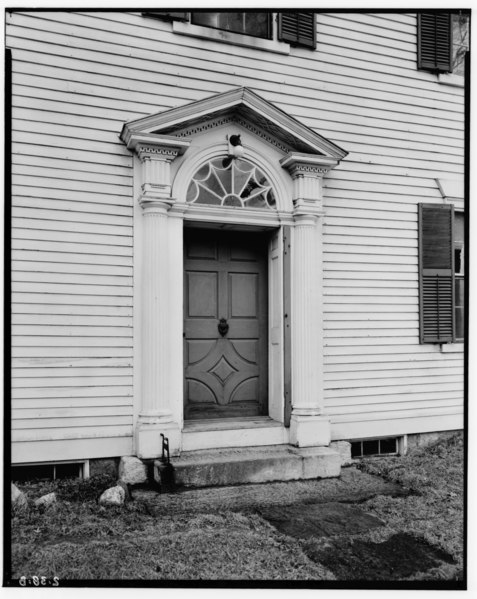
[79, 76]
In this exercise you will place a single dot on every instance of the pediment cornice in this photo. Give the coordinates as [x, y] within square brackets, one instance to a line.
[240, 106]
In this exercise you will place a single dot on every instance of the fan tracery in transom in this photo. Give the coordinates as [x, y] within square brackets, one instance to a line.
[231, 182]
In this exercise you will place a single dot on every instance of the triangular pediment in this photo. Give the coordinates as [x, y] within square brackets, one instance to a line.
[240, 106]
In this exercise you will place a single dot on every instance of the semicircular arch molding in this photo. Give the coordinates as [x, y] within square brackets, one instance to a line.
[264, 158]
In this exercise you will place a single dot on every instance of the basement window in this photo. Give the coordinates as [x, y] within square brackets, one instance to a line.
[374, 447]
[27, 472]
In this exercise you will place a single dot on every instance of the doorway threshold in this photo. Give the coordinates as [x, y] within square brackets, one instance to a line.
[233, 432]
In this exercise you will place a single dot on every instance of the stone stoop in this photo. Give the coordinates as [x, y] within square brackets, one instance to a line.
[221, 467]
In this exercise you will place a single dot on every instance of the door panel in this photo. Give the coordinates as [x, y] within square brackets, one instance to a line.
[243, 295]
[202, 294]
[225, 276]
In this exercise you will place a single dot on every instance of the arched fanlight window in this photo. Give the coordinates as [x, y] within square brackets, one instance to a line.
[226, 182]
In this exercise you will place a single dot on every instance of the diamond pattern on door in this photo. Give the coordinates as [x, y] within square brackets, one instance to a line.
[225, 277]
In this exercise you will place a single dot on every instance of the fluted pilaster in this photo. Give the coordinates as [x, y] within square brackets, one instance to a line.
[306, 318]
[154, 313]
[161, 355]
[308, 426]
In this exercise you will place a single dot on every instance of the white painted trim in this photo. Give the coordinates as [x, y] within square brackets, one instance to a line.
[229, 216]
[244, 437]
[451, 188]
[452, 348]
[228, 37]
[229, 102]
[451, 79]
[402, 445]
[276, 340]
[132, 139]
[394, 427]
[77, 449]
[137, 290]
[211, 147]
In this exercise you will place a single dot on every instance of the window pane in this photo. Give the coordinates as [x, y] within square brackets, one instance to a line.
[459, 227]
[370, 447]
[256, 24]
[459, 323]
[459, 307]
[388, 446]
[231, 182]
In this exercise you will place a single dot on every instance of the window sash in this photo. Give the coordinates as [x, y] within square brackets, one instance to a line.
[436, 273]
[245, 23]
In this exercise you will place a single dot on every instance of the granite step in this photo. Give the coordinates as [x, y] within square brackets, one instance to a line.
[222, 467]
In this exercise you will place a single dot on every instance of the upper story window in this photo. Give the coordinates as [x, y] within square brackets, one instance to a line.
[274, 32]
[443, 40]
[257, 24]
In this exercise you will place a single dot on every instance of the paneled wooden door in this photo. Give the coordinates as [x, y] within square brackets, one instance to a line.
[225, 324]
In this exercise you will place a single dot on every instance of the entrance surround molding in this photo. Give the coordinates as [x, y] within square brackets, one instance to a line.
[161, 239]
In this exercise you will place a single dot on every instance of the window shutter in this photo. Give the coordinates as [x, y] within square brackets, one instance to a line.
[434, 42]
[167, 16]
[297, 28]
[436, 273]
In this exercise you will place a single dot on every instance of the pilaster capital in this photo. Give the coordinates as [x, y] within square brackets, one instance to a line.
[151, 145]
[155, 205]
[307, 212]
[156, 153]
[152, 152]
[307, 172]
[307, 165]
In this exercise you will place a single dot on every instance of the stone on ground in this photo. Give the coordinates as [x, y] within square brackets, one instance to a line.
[46, 500]
[132, 471]
[125, 487]
[19, 499]
[113, 496]
[344, 448]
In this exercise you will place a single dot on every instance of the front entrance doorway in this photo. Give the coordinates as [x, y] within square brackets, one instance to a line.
[225, 324]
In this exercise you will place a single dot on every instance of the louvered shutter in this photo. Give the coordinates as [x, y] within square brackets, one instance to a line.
[435, 42]
[436, 273]
[167, 16]
[297, 28]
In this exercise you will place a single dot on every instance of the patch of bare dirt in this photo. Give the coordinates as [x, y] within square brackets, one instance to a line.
[398, 558]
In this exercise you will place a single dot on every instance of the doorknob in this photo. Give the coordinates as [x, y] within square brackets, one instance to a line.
[223, 327]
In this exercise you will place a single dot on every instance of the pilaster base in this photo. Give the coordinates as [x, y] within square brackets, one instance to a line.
[149, 440]
[310, 431]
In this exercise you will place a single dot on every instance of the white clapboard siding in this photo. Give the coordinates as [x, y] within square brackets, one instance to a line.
[103, 432]
[93, 209]
[27, 413]
[78, 76]
[69, 405]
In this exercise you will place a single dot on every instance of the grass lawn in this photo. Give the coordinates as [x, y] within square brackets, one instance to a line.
[434, 511]
[77, 539]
